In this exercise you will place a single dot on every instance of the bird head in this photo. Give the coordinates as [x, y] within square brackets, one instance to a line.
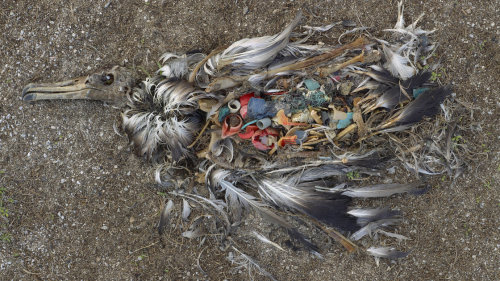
[113, 86]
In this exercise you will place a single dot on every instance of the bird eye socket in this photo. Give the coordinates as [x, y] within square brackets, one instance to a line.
[107, 79]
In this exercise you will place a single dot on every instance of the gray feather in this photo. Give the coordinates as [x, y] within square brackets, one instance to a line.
[365, 216]
[371, 227]
[266, 240]
[186, 209]
[195, 229]
[165, 216]
[386, 252]
[382, 190]
[176, 66]
[243, 261]
[393, 235]
[253, 53]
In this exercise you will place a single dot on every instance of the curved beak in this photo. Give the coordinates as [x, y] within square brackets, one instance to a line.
[69, 89]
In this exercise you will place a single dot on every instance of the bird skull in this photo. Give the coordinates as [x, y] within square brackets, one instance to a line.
[112, 86]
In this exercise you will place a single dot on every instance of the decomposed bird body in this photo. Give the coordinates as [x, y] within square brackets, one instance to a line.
[366, 88]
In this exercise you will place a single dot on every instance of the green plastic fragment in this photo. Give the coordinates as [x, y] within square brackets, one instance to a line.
[317, 98]
[223, 112]
[418, 91]
[311, 84]
[295, 102]
[346, 122]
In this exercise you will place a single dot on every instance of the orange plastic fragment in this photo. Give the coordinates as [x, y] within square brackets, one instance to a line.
[287, 140]
[283, 120]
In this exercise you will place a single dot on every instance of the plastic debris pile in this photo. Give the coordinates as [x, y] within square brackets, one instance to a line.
[274, 120]
[309, 113]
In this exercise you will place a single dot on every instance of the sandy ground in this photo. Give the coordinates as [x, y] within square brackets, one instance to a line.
[77, 204]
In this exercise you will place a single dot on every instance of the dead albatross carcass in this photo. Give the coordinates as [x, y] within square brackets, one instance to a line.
[278, 126]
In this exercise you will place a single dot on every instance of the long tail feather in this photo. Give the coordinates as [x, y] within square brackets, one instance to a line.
[238, 199]
[329, 208]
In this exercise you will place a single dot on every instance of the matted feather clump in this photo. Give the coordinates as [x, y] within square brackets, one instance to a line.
[286, 129]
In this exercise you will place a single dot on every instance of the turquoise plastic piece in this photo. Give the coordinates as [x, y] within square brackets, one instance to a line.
[346, 122]
[417, 92]
[223, 112]
[311, 84]
[248, 124]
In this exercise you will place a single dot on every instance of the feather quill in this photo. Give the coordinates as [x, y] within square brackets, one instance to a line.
[400, 23]
[393, 235]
